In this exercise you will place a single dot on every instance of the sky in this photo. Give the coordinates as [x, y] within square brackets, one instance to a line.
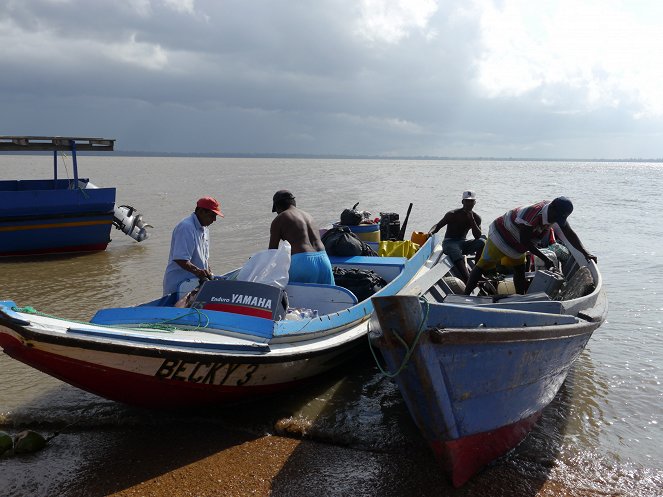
[418, 78]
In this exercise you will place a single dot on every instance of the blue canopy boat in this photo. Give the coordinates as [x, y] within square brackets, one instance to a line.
[47, 216]
[236, 341]
[477, 371]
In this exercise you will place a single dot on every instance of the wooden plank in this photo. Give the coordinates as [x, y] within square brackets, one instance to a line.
[54, 143]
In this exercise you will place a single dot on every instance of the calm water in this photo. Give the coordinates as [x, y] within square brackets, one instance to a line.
[602, 435]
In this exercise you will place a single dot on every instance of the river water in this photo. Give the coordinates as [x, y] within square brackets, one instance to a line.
[602, 435]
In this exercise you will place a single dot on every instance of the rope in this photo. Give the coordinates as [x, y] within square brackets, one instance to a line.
[409, 349]
[161, 326]
[63, 155]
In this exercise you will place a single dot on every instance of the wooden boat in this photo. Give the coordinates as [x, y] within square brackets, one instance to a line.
[477, 371]
[235, 342]
[46, 216]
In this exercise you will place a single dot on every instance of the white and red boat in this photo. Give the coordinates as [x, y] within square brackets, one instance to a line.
[235, 342]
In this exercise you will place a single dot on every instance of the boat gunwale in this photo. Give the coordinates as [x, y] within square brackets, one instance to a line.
[25, 336]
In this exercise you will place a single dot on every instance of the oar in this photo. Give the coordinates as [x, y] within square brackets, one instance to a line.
[401, 235]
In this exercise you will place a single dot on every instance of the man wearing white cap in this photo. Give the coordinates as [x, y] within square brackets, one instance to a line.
[459, 222]
[189, 246]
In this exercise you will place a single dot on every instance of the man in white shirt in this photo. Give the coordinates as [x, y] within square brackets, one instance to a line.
[189, 246]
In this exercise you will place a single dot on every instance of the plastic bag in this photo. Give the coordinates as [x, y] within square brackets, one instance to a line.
[400, 248]
[269, 266]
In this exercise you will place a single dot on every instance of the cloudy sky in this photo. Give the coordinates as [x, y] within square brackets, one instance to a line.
[490, 78]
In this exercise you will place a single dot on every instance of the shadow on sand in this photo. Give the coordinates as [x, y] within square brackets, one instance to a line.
[349, 433]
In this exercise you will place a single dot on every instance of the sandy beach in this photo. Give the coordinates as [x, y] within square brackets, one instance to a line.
[200, 462]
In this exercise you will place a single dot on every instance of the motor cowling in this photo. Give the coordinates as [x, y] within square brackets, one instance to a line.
[127, 220]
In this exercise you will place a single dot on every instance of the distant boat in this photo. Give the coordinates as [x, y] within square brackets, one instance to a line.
[237, 341]
[52, 216]
[477, 371]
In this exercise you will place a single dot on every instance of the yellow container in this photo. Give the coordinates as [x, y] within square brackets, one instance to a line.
[367, 232]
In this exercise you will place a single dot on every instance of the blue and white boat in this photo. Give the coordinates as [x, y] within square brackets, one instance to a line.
[477, 371]
[236, 341]
[60, 215]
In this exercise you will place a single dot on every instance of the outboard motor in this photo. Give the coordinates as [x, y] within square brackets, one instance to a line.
[127, 220]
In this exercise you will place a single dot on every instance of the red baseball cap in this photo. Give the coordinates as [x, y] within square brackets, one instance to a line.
[211, 204]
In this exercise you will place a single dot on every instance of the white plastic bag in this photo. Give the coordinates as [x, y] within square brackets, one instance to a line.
[269, 266]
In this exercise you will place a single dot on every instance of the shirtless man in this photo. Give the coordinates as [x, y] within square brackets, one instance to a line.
[459, 222]
[309, 261]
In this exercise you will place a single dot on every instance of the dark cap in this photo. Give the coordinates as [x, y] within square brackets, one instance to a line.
[562, 207]
[280, 196]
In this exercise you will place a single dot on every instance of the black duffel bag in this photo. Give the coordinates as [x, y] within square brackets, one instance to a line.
[341, 241]
[362, 282]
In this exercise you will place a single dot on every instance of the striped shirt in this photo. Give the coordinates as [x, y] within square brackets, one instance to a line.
[504, 232]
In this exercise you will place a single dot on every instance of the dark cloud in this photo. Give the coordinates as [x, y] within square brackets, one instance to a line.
[276, 77]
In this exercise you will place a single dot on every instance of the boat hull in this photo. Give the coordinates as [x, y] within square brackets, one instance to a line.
[167, 378]
[48, 217]
[475, 393]
[157, 355]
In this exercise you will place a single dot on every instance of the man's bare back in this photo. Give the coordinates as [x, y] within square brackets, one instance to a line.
[297, 228]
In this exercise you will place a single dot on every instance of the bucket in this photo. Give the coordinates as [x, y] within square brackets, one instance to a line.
[367, 232]
[506, 287]
[419, 237]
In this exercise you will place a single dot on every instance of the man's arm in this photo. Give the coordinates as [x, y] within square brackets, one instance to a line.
[475, 224]
[275, 232]
[200, 273]
[526, 239]
[440, 224]
[572, 237]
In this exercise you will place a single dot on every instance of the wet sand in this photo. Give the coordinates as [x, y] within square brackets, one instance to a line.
[206, 461]
[342, 436]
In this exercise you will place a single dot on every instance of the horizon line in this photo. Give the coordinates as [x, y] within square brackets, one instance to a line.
[274, 155]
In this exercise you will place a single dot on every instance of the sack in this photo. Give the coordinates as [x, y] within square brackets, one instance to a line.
[419, 237]
[362, 282]
[342, 242]
[404, 248]
[269, 266]
[351, 217]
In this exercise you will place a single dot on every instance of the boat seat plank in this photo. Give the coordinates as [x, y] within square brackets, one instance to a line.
[323, 298]
[548, 306]
[463, 316]
[387, 267]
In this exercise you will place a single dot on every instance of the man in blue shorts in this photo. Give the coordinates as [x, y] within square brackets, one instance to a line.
[309, 261]
[189, 246]
[459, 222]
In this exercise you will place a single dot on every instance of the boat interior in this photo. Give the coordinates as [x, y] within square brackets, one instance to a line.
[263, 311]
[552, 297]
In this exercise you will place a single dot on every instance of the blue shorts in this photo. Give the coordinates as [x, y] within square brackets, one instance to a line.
[456, 248]
[311, 267]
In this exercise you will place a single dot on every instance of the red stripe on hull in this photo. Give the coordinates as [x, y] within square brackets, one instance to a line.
[238, 309]
[92, 247]
[464, 457]
[134, 388]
